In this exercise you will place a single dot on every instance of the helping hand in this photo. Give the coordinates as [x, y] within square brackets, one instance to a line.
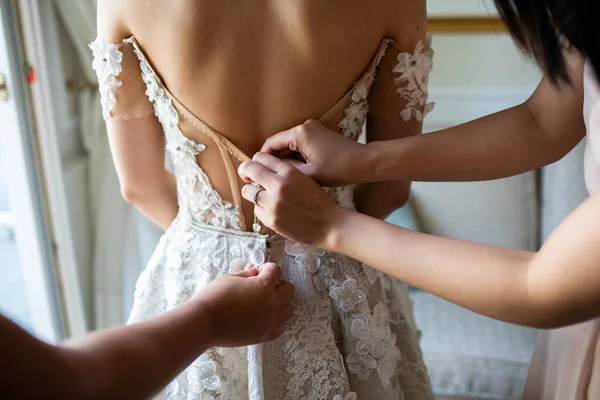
[288, 201]
[247, 308]
[329, 158]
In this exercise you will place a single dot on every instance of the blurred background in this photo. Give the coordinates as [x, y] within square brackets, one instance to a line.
[71, 248]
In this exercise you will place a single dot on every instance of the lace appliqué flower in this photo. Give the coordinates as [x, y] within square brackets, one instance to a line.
[354, 119]
[305, 255]
[389, 361]
[107, 64]
[203, 377]
[413, 80]
[344, 196]
[349, 396]
[347, 294]
[375, 342]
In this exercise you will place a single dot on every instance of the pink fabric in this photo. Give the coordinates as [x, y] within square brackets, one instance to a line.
[566, 362]
[591, 108]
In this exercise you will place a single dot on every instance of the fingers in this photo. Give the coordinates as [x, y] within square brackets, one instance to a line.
[253, 194]
[284, 314]
[271, 162]
[275, 333]
[262, 169]
[251, 171]
[248, 272]
[265, 215]
[299, 165]
[270, 274]
[285, 291]
[282, 141]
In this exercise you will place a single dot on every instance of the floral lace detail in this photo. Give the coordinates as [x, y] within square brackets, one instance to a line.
[203, 377]
[187, 258]
[305, 255]
[352, 125]
[196, 193]
[349, 396]
[413, 80]
[354, 119]
[107, 64]
[375, 343]
[308, 342]
[314, 358]
[342, 328]
[347, 294]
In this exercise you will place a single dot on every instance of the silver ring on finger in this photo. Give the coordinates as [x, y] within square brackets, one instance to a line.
[255, 196]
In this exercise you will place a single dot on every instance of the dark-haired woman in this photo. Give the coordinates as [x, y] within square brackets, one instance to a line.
[557, 287]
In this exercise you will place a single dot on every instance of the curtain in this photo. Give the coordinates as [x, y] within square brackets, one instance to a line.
[116, 254]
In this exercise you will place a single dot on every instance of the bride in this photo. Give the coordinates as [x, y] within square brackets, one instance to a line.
[210, 81]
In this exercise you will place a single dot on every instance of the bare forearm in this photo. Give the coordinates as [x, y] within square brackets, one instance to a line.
[500, 145]
[31, 368]
[137, 361]
[489, 280]
[557, 286]
[123, 363]
[157, 201]
[138, 149]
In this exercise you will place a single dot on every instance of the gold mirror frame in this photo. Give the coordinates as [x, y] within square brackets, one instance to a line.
[466, 24]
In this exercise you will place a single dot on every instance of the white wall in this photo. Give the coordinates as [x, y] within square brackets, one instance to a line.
[460, 7]
[475, 75]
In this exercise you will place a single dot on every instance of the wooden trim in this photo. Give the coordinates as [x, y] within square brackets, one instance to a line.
[460, 24]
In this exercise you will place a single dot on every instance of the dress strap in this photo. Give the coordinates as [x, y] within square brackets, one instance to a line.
[226, 148]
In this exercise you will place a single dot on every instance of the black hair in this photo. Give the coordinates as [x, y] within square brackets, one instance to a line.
[538, 27]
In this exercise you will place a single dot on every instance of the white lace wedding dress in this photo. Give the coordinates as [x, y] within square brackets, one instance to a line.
[353, 334]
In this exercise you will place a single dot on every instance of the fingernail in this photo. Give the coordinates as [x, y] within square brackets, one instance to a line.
[244, 164]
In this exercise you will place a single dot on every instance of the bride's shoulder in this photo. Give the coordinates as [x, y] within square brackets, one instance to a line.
[406, 21]
[111, 20]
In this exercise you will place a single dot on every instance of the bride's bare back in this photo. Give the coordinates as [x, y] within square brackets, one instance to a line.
[250, 69]
[212, 80]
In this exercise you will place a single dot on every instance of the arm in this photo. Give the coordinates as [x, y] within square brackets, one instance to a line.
[135, 362]
[531, 135]
[557, 286]
[135, 135]
[138, 150]
[536, 133]
[386, 105]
